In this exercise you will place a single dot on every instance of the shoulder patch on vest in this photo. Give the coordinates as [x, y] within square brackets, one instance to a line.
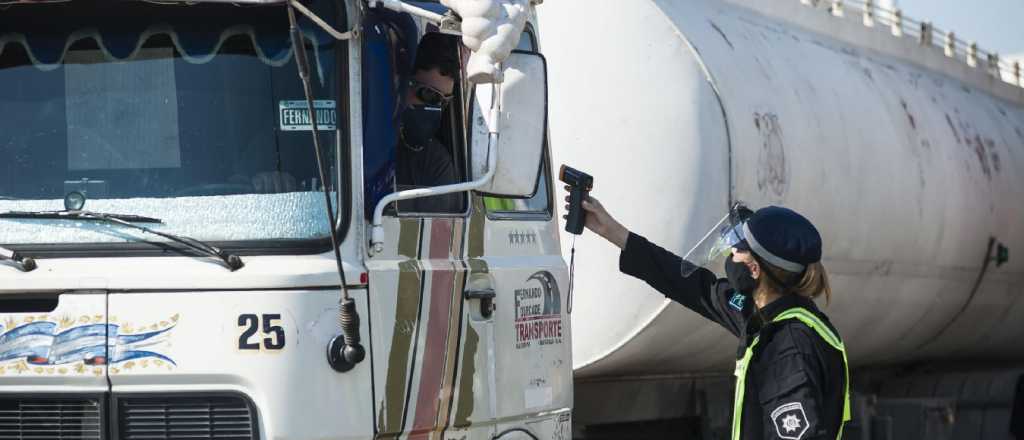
[790, 421]
[737, 301]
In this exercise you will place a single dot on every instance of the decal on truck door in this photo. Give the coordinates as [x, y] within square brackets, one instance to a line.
[471, 344]
[390, 416]
[424, 344]
[442, 315]
[538, 311]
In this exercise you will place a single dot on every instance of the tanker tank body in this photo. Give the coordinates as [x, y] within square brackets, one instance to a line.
[910, 162]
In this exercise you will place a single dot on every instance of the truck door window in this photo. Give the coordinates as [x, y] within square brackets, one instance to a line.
[429, 149]
[412, 132]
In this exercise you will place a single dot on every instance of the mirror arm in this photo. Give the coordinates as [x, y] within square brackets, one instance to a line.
[377, 232]
[338, 35]
[447, 24]
[400, 6]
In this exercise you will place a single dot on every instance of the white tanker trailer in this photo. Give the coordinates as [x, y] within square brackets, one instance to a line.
[902, 144]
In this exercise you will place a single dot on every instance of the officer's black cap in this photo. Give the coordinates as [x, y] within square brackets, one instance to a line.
[783, 238]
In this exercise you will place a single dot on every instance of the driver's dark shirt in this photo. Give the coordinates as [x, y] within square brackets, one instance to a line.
[427, 167]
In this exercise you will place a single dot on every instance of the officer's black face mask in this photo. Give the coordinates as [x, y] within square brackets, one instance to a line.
[740, 277]
[419, 124]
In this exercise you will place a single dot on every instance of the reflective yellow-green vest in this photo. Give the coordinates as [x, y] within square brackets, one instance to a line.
[825, 332]
[499, 204]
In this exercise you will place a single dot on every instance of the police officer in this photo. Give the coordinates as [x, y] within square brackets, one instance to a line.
[792, 378]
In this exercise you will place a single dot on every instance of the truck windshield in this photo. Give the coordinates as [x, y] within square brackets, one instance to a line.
[191, 114]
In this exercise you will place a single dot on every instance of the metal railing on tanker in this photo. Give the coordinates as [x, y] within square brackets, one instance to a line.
[927, 35]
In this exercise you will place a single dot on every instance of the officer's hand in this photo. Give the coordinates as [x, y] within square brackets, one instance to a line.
[601, 222]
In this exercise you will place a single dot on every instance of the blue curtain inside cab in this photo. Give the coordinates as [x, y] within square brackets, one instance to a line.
[120, 29]
[389, 49]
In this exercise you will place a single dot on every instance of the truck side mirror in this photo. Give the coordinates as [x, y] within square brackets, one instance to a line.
[522, 126]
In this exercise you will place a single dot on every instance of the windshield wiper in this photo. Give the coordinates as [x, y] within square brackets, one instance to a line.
[232, 261]
[78, 215]
[26, 264]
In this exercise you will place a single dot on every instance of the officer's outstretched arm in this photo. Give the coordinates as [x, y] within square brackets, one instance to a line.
[662, 269]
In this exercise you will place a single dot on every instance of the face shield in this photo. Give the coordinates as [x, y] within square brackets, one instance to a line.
[717, 244]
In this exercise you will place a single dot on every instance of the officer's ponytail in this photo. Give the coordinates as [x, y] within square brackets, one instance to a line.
[811, 284]
[814, 283]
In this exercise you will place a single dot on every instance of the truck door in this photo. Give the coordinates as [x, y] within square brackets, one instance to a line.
[430, 349]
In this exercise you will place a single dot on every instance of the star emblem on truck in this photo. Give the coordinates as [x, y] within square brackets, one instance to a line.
[520, 237]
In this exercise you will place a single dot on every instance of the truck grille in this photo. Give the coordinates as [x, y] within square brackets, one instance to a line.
[50, 418]
[185, 417]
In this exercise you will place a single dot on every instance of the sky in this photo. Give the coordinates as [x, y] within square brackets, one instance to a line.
[997, 25]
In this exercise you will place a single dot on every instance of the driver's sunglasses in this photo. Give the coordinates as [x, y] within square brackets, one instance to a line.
[430, 95]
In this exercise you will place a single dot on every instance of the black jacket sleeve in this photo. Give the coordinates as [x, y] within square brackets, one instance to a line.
[791, 386]
[701, 292]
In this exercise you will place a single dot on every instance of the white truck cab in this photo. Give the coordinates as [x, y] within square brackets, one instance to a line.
[167, 269]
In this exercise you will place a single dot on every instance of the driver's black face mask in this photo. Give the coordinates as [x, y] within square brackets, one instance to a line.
[419, 124]
[740, 277]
